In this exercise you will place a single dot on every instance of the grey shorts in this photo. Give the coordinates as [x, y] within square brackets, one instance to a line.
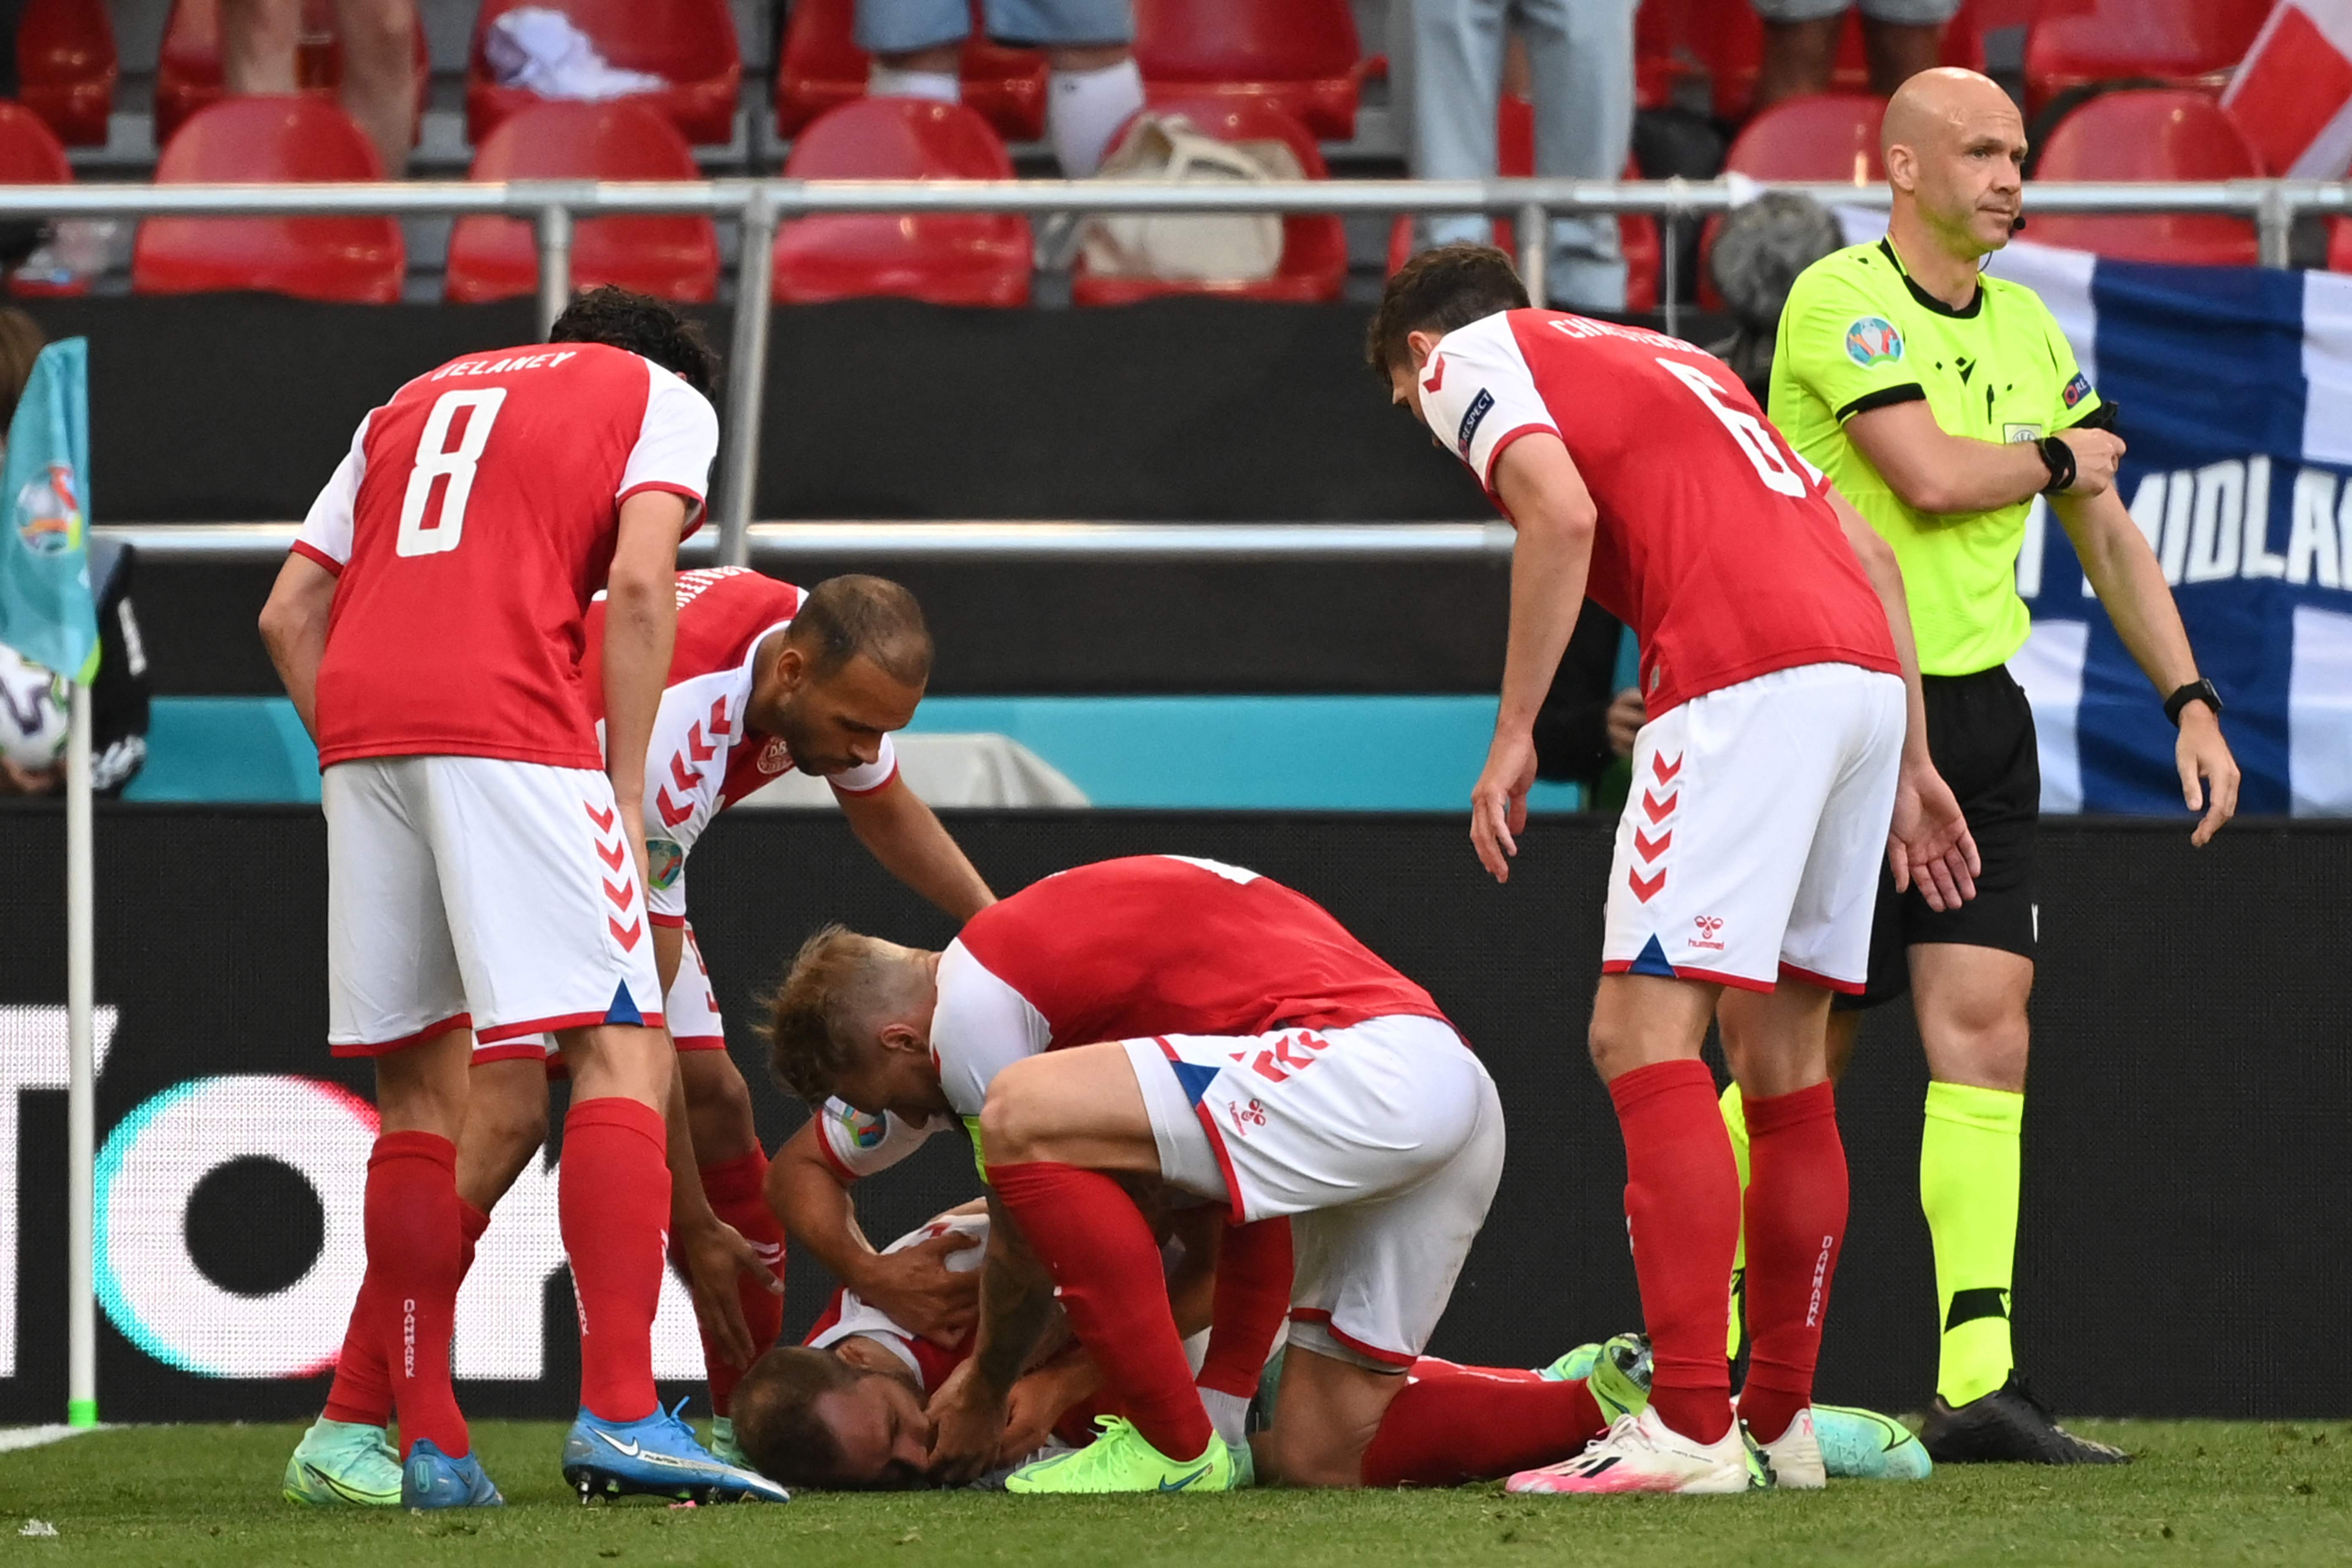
[903, 27]
[1903, 13]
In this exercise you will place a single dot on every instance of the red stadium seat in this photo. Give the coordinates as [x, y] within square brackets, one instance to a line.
[689, 44]
[1724, 41]
[1830, 136]
[188, 66]
[269, 141]
[2339, 245]
[30, 156]
[673, 257]
[2077, 43]
[824, 67]
[2151, 134]
[1515, 158]
[65, 64]
[1301, 56]
[947, 258]
[1314, 263]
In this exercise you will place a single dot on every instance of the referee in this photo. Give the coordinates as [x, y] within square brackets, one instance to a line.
[1941, 402]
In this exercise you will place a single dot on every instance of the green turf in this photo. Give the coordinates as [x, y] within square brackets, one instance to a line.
[2202, 1492]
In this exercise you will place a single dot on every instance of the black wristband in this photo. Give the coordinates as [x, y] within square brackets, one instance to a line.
[2195, 691]
[2059, 459]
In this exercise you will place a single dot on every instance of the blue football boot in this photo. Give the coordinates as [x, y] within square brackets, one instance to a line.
[657, 1457]
[431, 1479]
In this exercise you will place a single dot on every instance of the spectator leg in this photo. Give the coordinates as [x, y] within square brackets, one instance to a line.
[1798, 57]
[1095, 89]
[1582, 55]
[1457, 79]
[259, 41]
[917, 45]
[1899, 52]
[380, 75]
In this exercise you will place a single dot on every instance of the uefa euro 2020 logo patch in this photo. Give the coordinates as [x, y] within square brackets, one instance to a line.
[1872, 340]
[664, 861]
[48, 516]
[865, 1132]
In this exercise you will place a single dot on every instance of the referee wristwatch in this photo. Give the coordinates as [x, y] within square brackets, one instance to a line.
[2195, 691]
[2059, 459]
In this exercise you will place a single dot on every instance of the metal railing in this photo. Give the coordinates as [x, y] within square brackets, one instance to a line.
[759, 206]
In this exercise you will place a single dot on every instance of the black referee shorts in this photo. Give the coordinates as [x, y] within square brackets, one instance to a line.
[1981, 734]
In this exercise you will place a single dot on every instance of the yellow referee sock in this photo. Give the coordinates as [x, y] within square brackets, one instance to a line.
[1967, 1185]
[1735, 1121]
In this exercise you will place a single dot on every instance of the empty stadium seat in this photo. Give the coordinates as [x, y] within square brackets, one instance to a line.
[2153, 133]
[824, 67]
[1829, 136]
[673, 257]
[188, 65]
[66, 66]
[1301, 56]
[31, 156]
[947, 258]
[1515, 158]
[689, 44]
[2075, 44]
[1314, 265]
[268, 140]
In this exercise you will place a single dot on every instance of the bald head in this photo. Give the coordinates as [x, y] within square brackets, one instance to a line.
[1955, 151]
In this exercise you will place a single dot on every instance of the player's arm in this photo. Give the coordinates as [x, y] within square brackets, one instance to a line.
[1016, 1303]
[1927, 839]
[906, 836]
[811, 1194]
[294, 629]
[1546, 498]
[2125, 573]
[640, 626]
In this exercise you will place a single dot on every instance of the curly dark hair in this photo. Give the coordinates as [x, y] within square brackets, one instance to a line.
[642, 325]
[1437, 291]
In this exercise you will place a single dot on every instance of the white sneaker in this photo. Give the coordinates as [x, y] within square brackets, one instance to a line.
[1795, 1456]
[1643, 1453]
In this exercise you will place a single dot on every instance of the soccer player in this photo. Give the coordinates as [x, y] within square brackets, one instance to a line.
[764, 679]
[1193, 1022]
[485, 855]
[1943, 400]
[1782, 735]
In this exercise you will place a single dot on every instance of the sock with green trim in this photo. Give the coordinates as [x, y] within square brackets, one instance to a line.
[1968, 1159]
[1735, 1121]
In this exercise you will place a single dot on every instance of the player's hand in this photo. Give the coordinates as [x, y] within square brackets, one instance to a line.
[1928, 841]
[714, 1256]
[2203, 754]
[1037, 1403]
[15, 780]
[1627, 714]
[915, 1286]
[2097, 453]
[967, 1426]
[1498, 805]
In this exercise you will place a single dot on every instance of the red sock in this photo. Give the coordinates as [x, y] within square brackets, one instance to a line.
[1253, 1270]
[1682, 1211]
[1476, 1424]
[1796, 1222]
[415, 1248]
[362, 1392]
[738, 1193]
[1091, 1237]
[613, 1199]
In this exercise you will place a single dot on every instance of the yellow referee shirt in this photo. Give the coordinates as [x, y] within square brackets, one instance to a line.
[1858, 334]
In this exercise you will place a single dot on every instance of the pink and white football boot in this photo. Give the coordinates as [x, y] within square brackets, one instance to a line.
[1643, 1453]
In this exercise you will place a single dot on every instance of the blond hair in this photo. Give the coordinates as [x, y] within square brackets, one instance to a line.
[825, 1007]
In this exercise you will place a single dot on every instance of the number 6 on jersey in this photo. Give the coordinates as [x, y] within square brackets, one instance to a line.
[436, 460]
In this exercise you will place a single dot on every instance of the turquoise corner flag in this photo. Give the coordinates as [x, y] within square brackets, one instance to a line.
[46, 612]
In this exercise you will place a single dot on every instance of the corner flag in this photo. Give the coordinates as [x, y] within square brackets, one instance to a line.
[46, 612]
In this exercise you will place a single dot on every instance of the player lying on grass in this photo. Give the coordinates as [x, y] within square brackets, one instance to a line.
[1783, 756]
[1168, 1017]
[762, 678]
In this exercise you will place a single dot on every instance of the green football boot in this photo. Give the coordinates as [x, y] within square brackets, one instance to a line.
[1863, 1445]
[1619, 1377]
[1121, 1460]
[722, 1444]
[344, 1464]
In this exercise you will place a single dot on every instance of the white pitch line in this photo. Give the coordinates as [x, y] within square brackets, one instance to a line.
[14, 1438]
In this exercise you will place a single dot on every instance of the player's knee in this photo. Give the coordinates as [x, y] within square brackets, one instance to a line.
[1015, 1120]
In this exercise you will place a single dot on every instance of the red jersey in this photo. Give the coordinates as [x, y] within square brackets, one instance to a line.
[470, 522]
[1716, 543]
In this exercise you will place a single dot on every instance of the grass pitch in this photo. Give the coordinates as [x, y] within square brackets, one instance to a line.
[2202, 1492]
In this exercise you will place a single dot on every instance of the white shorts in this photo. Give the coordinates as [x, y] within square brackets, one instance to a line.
[1383, 1140]
[690, 1009]
[1750, 844]
[474, 892]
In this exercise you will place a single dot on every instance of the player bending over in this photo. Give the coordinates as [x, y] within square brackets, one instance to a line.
[764, 679]
[1181, 1019]
[1784, 733]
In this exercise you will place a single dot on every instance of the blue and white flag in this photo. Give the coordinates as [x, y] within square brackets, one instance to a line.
[2236, 393]
[46, 612]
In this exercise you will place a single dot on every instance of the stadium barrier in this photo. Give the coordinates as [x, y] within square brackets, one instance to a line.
[2181, 1252]
[757, 206]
